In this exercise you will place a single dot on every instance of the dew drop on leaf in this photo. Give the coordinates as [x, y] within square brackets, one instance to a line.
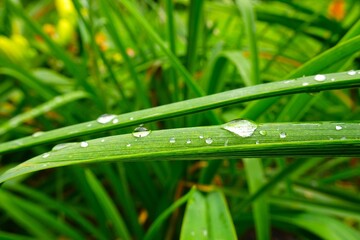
[115, 121]
[141, 131]
[37, 134]
[84, 144]
[105, 118]
[188, 141]
[305, 84]
[241, 127]
[128, 145]
[320, 77]
[45, 155]
[209, 140]
[62, 146]
[263, 132]
[282, 135]
[172, 140]
[338, 127]
[351, 72]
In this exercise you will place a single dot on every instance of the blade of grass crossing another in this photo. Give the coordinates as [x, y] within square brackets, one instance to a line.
[255, 179]
[108, 206]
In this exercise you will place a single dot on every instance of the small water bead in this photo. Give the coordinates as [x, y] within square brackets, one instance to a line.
[84, 144]
[351, 72]
[201, 136]
[105, 118]
[282, 135]
[141, 131]
[305, 84]
[89, 125]
[102, 140]
[333, 79]
[263, 132]
[188, 141]
[128, 145]
[115, 121]
[257, 142]
[45, 155]
[343, 138]
[338, 127]
[241, 127]
[37, 134]
[320, 77]
[62, 146]
[172, 140]
[131, 118]
[209, 140]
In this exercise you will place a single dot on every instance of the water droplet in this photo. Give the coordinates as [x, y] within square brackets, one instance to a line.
[131, 118]
[333, 79]
[201, 136]
[320, 77]
[105, 118]
[37, 134]
[209, 140]
[282, 135]
[84, 144]
[102, 140]
[188, 141]
[89, 125]
[172, 140]
[241, 127]
[45, 155]
[257, 142]
[62, 146]
[289, 81]
[351, 72]
[115, 121]
[128, 145]
[343, 138]
[263, 132]
[338, 127]
[305, 84]
[141, 131]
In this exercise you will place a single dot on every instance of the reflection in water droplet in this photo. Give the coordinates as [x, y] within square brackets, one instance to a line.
[45, 155]
[282, 135]
[141, 131]
[188, 141]
[351, 72]
[172, 140]
[84, 144]
[263, 132]
[338, 127]
[37, 134]
[115, 121]
[320, 77]
[62, 146]
[209, 140]
[105, 118]
[241, 127]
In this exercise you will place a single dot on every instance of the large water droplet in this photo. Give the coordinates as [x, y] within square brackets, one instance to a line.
[37, 134]
[282, 135]
[338, 127]
[105, 118]
[141, 131]
[62, 146]
[351, 72]
[320, 77]
[241, 127]
[84, 144]
[209, 140]
[45, 155]
[172, 140]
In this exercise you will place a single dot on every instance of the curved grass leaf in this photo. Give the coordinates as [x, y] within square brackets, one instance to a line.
[214, 142]
[305, 84]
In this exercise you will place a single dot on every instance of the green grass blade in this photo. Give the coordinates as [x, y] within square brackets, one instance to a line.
[256, 179]
[165, 214]
[220, 222]
[248, 16]
[108, 206]
[281, 139]
[41, 109]
[306, 84]
[195, 222]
